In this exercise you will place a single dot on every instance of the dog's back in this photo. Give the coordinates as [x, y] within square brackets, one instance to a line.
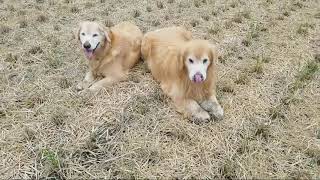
[127, 39]
[161, 38]
[160, 49]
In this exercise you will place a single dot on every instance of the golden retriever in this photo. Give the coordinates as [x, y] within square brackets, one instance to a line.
[110, 52]
[186, 69]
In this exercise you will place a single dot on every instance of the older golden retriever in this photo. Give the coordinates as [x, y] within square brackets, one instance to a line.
[186, 69]
[110, 52]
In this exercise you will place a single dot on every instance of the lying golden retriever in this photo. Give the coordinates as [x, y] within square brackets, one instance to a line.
[186, 69]
[110, 52]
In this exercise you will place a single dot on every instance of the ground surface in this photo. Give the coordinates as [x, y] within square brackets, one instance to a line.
[269, 88]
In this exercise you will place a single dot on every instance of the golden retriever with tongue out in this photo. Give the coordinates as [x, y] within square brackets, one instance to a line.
[186, 69]
[110, 52]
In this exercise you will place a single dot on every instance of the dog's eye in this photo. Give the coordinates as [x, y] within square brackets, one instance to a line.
[94, 35]
[205, 61]
[191, 61]
[83, 34]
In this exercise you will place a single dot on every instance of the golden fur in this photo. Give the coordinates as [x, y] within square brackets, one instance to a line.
[118, 53]
[165, 52]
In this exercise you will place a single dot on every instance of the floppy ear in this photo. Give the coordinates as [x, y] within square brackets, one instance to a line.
[106, 32]
[214, 54]
[181, 58]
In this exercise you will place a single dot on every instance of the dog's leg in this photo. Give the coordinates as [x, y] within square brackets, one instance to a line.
[88, 80]
[213, 107]
[191, 108]
[107, 81]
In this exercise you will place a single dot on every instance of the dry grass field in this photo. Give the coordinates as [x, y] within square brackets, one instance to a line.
[269, 87]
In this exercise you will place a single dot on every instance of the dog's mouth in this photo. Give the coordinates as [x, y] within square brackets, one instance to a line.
[90, 52]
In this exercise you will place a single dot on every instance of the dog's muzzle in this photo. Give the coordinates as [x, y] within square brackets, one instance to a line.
[88, 51]
[198, 78]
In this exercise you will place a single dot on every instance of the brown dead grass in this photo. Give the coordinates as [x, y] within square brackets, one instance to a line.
[269, 88]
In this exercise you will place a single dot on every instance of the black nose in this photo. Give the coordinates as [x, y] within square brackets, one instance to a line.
[87, 45]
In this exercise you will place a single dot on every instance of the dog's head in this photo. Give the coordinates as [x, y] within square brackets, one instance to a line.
[93, 37]
[198, 57]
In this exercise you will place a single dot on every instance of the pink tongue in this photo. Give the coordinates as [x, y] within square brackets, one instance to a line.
[197, 78]
[89, 54]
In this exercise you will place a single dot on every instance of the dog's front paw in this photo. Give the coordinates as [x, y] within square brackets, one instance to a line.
[217, 113]
[214, 109]
[95, 88]
[201, 117]
[85, 92]
[82, 85]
